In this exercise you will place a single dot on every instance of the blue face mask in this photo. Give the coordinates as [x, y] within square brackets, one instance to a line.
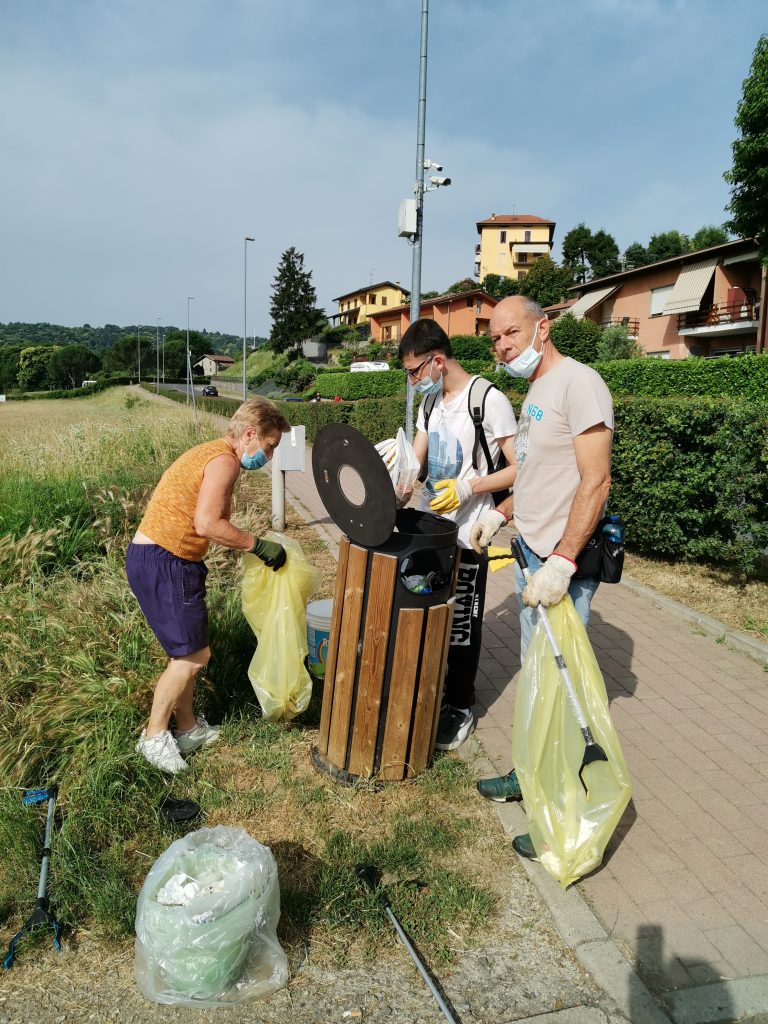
[525, 364]
[427, 386]
[256, 461]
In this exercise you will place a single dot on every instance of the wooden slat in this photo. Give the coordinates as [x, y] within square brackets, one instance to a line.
[429, 686]
[346, 661]
[444, 662]
[394, 752]
[333, 647]
[381, 587]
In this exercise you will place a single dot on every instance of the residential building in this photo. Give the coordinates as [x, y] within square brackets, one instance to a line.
[460, 313]
[510, 243]
[356, 307]
[702, 304]
[210, 365]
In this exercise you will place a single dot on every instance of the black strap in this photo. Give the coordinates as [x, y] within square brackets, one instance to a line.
[477, 414]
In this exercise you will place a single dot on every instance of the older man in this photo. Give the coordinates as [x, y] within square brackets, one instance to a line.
[189, 508]
[563, 455]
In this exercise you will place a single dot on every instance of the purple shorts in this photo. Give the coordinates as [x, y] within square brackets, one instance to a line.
[171, 593]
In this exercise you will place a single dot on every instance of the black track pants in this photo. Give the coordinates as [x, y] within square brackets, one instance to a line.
[467, 630]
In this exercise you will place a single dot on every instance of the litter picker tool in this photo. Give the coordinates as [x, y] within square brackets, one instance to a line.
[41, 914]
[369, 876]
[593, 751]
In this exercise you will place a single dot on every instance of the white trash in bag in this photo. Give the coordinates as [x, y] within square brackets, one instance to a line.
[401, 462]
[206, 922]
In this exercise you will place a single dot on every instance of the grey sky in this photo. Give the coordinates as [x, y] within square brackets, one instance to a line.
[143, 140]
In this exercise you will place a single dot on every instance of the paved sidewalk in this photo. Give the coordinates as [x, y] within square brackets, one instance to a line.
[683, 890]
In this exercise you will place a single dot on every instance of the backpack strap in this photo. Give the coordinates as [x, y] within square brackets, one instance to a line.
[476, 408]
[429, 405]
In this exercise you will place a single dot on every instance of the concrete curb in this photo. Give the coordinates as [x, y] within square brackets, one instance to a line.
[574, 920]
[733, 638]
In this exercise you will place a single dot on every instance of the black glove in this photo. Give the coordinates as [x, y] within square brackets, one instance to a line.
[271, 553]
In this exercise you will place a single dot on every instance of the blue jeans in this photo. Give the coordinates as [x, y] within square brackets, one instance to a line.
[581, 591]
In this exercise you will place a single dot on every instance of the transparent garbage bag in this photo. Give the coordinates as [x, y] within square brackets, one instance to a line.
[275, 605]
[401, 462]
[213, 941]
[569, 827]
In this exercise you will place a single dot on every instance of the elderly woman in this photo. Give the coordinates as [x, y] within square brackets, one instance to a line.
[189, 508]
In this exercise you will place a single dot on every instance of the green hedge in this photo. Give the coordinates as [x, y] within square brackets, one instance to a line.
[745, 376]
[469, 346]
[690, 478]
[366, 384]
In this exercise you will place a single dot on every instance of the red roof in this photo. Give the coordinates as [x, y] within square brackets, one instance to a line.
[512, 218]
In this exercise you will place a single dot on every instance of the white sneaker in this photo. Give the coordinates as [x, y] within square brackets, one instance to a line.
[161, 751]
[200, 736]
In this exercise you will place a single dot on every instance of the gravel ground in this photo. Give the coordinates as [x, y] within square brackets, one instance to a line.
[522, 969]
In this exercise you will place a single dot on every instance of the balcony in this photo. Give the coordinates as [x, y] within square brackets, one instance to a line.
[633, 326]
[719, 318]
[477, 249]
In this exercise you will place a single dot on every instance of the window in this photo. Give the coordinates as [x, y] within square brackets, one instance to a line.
[522, 257]
[659, 298]
[469, 303]
[527, 236]
[663, 354]
[522, 274]
[479, 307]
[502, 237]
[502, 258]
[372, 300]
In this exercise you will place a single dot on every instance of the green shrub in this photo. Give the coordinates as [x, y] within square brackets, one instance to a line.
[468, 346]
[616, 343]
[378, 418]
[744, 376]
[576, 338]
[315, 415]
[690, 478]
[367, 384]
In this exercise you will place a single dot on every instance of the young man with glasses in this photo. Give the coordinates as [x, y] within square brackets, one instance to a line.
[454, 489]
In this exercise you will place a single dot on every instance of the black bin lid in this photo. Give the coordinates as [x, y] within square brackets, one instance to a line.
[339, 446]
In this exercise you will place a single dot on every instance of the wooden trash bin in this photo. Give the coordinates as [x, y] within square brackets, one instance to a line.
[387, 652]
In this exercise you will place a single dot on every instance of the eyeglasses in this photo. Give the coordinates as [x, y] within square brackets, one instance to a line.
[413, 373]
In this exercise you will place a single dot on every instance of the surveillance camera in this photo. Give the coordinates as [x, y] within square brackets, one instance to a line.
[437, 167]
[429, 164]
[439, 181]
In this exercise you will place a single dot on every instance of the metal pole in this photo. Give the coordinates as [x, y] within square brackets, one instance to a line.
[138, 348]
[163, 348]
[418, 189]
[157, 353]
[246, 240]
[278, 498]
[190, 298]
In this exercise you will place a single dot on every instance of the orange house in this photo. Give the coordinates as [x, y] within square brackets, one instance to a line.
[702, 304]
[462, 313]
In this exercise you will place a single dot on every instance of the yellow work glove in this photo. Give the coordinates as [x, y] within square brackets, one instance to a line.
[454, 493]
[498, 558]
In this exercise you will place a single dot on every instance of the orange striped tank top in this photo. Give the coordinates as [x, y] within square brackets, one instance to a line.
[170, 516]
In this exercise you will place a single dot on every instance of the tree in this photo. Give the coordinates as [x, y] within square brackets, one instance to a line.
[176, 351]
[545, 282]
[123, 355]
[635, 255]
[295, 314]
[70, 365]
[666, 245]
[748, 177]
[603, 254]
[499, 287]
[33, 367]
[9, 366]
[575, 252]
[615, 343]
[706, 237]
[466, 284]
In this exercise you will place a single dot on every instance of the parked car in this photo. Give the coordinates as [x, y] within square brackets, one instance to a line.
[368, 366]
[209, 391]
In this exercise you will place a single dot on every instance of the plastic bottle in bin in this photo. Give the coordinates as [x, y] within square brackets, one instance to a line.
[426, 584]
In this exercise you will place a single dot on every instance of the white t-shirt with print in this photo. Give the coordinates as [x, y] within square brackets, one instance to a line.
[451, 440]
[559, 406]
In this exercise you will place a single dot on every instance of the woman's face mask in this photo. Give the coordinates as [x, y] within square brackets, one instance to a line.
[256, 461]
[525, 364]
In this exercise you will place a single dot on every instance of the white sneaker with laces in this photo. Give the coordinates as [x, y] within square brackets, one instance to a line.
[161, 751]
[200, 736]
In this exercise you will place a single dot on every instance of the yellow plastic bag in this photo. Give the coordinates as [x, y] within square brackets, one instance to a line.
[569, 827]
[275, 605]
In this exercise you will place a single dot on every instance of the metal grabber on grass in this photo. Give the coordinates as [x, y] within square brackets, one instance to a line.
[41, 914]
[370, 877]
[593, 751]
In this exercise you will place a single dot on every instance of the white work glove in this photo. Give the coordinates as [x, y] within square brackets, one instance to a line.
[453, 494]
[549, 584]
[485, 529]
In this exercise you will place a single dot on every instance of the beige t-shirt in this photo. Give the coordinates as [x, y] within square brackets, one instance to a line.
[563, 403]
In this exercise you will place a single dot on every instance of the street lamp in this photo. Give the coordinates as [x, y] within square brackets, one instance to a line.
[190, 298]
[157, 353]
[138, 348]
[246, 240]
